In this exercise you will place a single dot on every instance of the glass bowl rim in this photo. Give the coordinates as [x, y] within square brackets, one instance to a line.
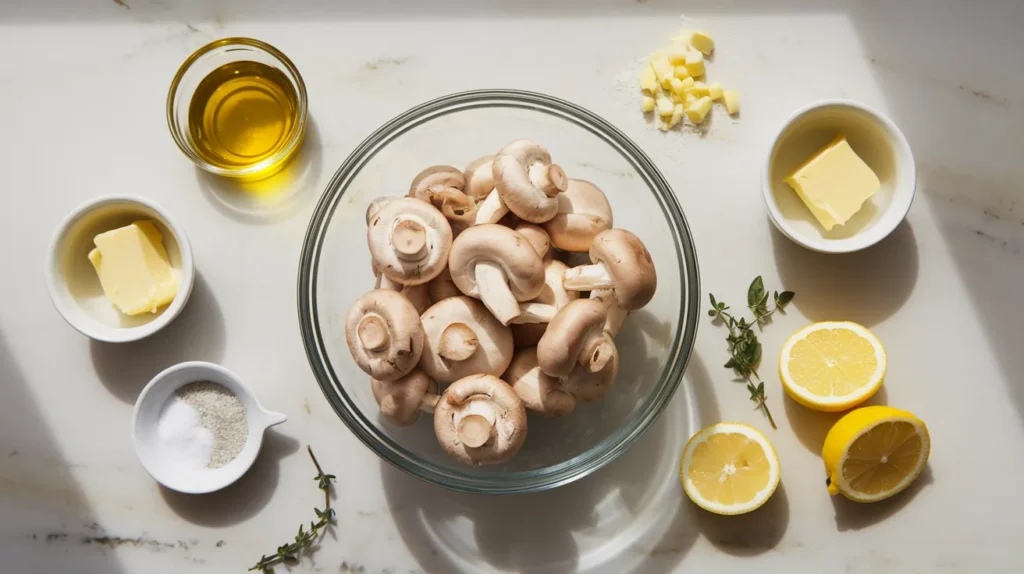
[294, 139]
[564, 472]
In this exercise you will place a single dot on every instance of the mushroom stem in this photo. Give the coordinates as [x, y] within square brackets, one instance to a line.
[373, 333]
[535, 313]
[550, 178]
[596, 354]
[409, 239]
[474, 430]
[491, 210]
[494, 292]
[587, 278]
[458, 342]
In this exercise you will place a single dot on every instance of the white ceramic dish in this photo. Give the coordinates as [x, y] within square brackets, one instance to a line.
[146, 417]
[75, 288]
[881, 145]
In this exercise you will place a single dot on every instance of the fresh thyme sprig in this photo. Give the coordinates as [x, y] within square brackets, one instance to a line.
[289, 552]
[744, 348]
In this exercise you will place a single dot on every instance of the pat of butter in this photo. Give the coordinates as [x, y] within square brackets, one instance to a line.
[133, 268]
[835, 183]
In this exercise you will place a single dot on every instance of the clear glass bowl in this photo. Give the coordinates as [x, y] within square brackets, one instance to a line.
[654, 345]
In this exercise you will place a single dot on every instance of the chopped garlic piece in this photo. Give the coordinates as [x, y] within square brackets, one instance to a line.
[677, 115]
[647, 104]
[662, 68]
[715, 90]
[695, 63]
[702, 41]
[665, 106]
[699, 110]
[648, 80]
[677, 56]
[732, 101]
[681, 72]
[700, 89]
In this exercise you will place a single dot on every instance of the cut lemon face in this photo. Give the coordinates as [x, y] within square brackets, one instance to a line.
[729, 468]
[874, 452]
[832, 366]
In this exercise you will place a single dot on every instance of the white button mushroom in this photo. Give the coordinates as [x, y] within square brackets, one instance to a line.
[383, 332]
[527, 180]
[442, 287]
[576, 336]
[498, 266]
[537, 237]
[409, 240]
[479, 176]
[418, 295]
[587, 386]
[583, 212]
[552, 298]
[540, 392]
[402, 400]
[480, 420]
[620, 263]
[462, 338]
[441, 186]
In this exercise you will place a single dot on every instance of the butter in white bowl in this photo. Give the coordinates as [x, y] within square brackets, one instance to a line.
[834, 183]
[133, 268]
[837, 206]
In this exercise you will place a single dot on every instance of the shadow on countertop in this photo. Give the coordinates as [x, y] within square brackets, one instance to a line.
[198, 334]
[866, 287]
[243, 499]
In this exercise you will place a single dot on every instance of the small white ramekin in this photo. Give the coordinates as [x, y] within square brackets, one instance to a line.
[75, 288]
[146, 419]
[875, 138]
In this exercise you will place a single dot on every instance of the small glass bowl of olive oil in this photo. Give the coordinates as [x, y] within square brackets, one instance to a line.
[237, 108]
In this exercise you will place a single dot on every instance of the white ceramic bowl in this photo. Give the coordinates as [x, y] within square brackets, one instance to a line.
[881, 145]
[146, 417]
[75, 288]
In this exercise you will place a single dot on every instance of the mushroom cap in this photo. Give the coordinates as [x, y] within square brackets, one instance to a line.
[583, 212]
[400, 399]
[479, 177]
[554, 292]
[403, 340]
[442, 287]
[484, 396]
[375, 206]
[629, 264]
[615, 315]
[518, 169]
[537, 237]
[494, 347]
[577, 324]
[539, 391]
[502, 246]
[437, 235]
[588, 387]
[442, 175]
[457, 207]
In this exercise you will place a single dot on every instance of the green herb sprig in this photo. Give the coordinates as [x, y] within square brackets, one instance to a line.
[289, 552]
[744, 348]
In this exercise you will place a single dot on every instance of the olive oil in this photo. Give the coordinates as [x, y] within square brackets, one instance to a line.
[244, 113]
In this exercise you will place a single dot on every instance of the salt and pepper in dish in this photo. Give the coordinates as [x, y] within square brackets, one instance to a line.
[198, 428]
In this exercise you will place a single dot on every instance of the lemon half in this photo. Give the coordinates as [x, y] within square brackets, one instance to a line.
[832, 366]
[874, 452]
[729, 468]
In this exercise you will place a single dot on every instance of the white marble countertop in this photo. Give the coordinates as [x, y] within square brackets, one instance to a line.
[82, 114]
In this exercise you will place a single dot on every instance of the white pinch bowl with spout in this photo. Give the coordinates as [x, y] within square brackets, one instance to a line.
[165, 469]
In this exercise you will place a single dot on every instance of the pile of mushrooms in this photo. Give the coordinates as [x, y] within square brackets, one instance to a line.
[476, 317]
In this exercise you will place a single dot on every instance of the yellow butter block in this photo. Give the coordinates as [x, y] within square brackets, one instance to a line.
[699, 110]
[835, 183]
[133, 268]
[732, 101]
[702, 41]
